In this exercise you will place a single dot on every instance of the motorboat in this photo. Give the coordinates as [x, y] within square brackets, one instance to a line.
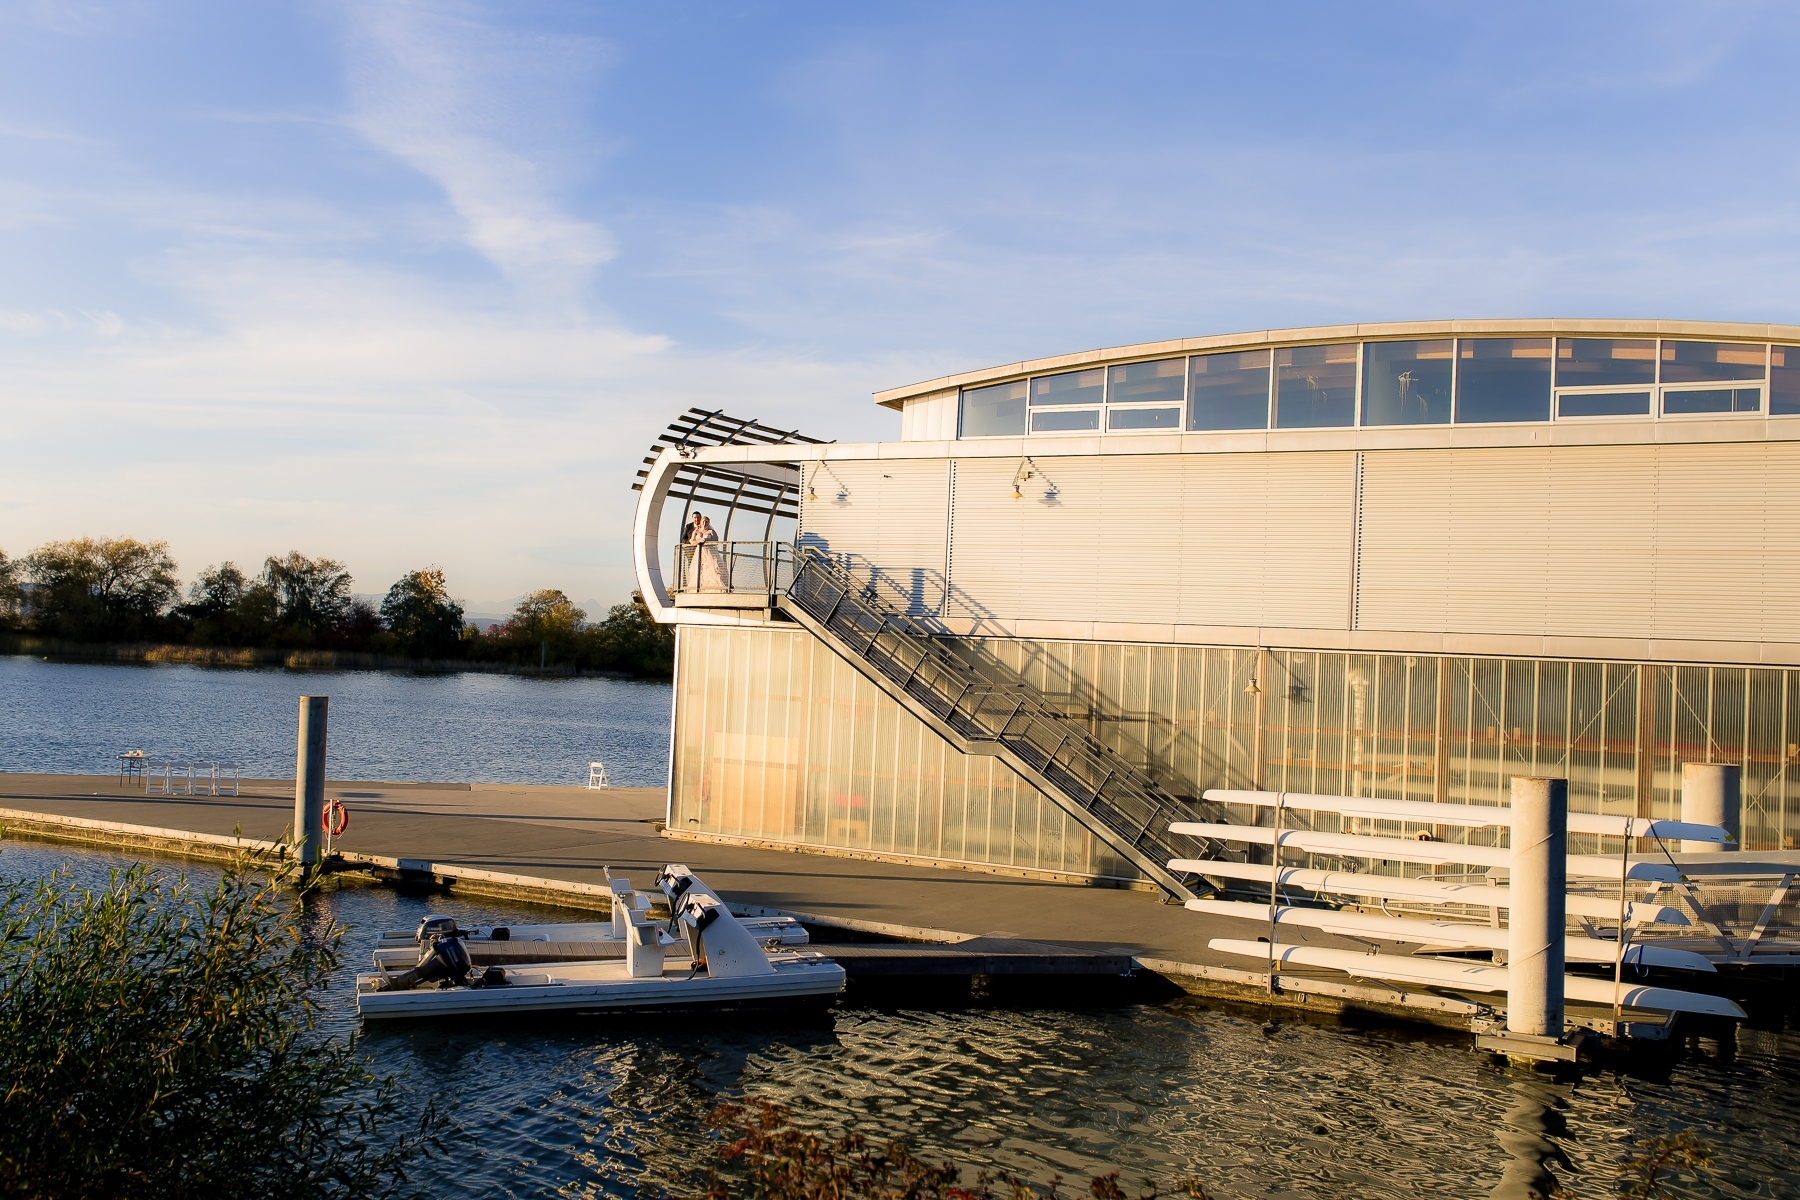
[574, 941]
[725, 966]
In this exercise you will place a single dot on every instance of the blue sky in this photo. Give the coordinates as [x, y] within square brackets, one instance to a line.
[415, 283]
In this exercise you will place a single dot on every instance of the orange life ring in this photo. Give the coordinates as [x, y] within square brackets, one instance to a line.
[335, 818]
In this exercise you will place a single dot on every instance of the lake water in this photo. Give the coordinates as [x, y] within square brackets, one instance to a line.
[73, 717]
[612, 1107]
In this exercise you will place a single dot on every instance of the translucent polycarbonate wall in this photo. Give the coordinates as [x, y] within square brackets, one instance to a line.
[1418, 727]
[778, 739]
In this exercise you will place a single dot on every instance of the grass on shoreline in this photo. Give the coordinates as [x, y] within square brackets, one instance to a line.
[293, 660]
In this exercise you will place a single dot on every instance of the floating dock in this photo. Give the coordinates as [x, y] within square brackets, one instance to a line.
[550, 845]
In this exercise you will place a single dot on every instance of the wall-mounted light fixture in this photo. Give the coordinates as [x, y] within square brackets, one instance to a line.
[812, 492]
[1020, 476]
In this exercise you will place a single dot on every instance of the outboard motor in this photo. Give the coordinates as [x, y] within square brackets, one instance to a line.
[444, 960]
[436, 927]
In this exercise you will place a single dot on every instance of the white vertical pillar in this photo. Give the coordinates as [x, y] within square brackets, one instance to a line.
[309, 779]
[1711, 794]
[1539, 887]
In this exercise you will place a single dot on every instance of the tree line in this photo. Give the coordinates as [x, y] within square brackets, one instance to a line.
[121, 590]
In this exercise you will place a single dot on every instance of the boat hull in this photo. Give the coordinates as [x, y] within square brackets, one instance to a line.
[811, 981]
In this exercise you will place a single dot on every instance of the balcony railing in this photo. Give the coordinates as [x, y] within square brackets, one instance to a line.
[740, 568]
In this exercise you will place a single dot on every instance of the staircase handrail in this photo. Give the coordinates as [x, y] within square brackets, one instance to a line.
[1060, 750]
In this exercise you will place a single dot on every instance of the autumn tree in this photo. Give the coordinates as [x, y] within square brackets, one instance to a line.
[98, 589]
[312, 595]
[10, 593]
[546, 618]
[425, 621]
[631, 640]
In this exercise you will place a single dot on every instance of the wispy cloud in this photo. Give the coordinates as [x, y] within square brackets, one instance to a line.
[476, 109]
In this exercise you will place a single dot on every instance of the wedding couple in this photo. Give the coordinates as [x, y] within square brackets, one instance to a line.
[706, 572]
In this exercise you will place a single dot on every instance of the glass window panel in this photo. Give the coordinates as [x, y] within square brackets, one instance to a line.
[1141, 418]
[1315, 387]
[1407, 383]
[1712, 400]
[1231, 391]
[1603, 404]
[1503, 379]
[1142, 382]
[1076, 387]
[1605, 362]
[1710, 362]
[1784, 381]
[994, 411]
[1058, 420]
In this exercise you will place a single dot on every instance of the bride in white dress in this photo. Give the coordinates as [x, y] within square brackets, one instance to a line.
[710, 569]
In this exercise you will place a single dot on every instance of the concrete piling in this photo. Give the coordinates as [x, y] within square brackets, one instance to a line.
[1711, 794]
[309, 779]
[1539, 885]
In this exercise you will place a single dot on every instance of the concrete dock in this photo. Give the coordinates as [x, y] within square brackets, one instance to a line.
[551, 844]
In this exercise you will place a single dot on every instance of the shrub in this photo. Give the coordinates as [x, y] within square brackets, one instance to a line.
[769, 1159]
[158, 1039]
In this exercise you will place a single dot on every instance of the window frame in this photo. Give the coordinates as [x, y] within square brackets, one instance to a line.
[1762, 386]
[1053, 410]
[1268, 370]
[1769, 412]
[1356, 387]
[1102, 410]
[1362, 381]
[1180, 406]
[962, 395]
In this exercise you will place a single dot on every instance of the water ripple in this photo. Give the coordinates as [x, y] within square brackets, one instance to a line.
[72, 718]
[611, 1106]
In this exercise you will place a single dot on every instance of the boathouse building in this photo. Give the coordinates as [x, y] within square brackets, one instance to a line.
[1405, 561]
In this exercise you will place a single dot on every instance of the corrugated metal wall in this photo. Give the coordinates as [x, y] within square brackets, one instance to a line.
[931, 418]
[1205, 539]
[1672, 542]
[882, 515]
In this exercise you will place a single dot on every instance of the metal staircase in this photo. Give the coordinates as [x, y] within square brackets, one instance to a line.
[983, 708]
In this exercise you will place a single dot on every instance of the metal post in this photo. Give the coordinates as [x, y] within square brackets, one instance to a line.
[1539, 886]
[1274, 882]
[309, 778]
[1711, 794]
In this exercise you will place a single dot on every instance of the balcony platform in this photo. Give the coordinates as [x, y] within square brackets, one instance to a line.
[734, 600]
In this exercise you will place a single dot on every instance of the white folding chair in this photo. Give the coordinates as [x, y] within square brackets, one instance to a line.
[597, 776]
[224, 766]
[155, 769]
